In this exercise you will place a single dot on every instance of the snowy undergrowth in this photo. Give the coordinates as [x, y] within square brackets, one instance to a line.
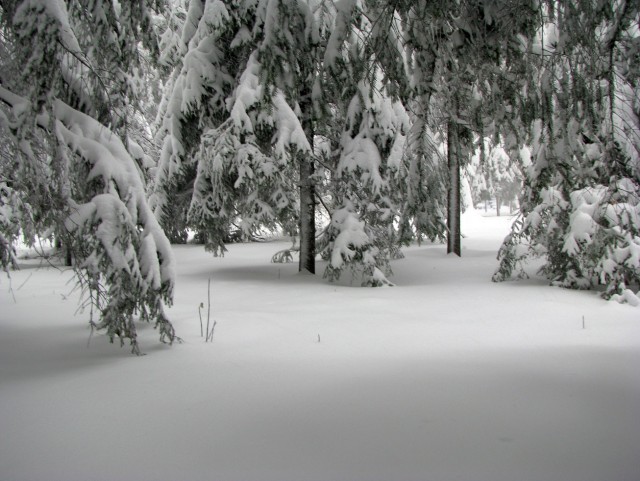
[446, 376]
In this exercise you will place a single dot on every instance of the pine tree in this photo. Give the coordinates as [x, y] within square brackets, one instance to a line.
[231, 127]
[204, 69]
[70, 111]
[278, 102]
[288, 52]
[459, 60]
[366, 186]
[364, 137]
[580, 204]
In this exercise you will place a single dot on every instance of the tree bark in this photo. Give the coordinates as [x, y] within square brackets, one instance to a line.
[68, 257]
[307, 222]
[453, 204]
[64, 247]
[307, 216]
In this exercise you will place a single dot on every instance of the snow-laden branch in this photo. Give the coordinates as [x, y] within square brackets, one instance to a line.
[112, 164]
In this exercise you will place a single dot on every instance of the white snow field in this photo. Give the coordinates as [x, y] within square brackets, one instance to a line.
[446, 376]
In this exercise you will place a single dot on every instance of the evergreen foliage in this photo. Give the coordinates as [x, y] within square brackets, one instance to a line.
[286, 80]
[69, 111]
[580, 202]
[366, 150]
[352, 117]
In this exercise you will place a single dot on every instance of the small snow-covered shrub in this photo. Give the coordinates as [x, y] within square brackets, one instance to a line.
[352, 245]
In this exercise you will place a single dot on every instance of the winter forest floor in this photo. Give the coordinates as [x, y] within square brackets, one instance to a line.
[447, 376]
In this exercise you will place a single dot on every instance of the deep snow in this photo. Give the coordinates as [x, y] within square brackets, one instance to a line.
[446, 376]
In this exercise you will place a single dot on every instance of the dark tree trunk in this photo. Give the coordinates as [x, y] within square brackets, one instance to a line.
[307, 216]
[498, 205]
[307, 223]
[453, 204]
[63, 247]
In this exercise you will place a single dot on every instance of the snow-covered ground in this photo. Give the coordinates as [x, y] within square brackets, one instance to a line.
[445, 377]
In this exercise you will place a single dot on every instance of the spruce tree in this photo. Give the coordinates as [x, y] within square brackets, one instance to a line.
[363, 159]
[70, 113]
[580, 203]
[459, 57]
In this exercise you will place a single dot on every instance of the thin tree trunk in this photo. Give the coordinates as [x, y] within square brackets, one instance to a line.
[453, 204]
[498, 205]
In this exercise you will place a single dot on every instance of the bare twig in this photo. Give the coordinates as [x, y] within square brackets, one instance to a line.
[213, 327]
